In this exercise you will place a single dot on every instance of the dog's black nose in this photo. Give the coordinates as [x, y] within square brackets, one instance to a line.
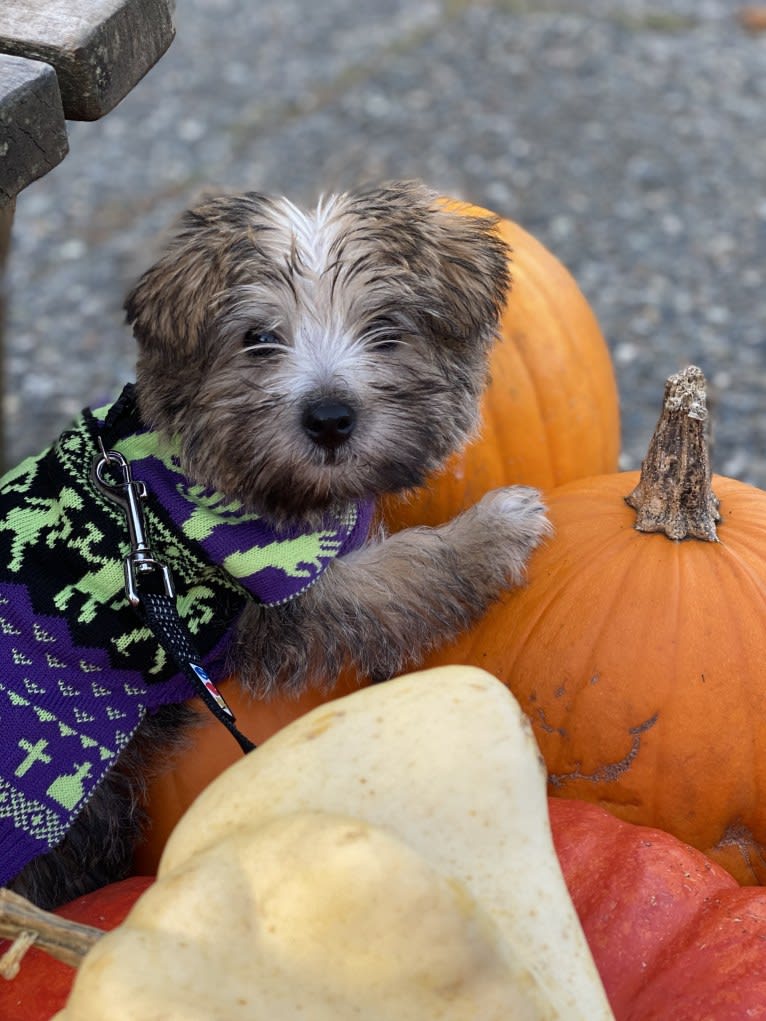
[329, 423]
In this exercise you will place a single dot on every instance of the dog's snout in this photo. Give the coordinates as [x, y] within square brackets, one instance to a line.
[329, 422]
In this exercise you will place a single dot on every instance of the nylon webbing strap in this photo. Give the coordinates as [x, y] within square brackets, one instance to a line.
[163, 619]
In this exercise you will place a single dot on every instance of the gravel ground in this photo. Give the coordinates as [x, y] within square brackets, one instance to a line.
[628, 136]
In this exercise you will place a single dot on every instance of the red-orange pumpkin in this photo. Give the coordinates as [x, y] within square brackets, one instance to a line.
[551, 411]
[42, 984]
[673, 936]
[641, 660]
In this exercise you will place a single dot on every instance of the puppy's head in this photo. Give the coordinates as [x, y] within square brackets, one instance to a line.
[309, 358]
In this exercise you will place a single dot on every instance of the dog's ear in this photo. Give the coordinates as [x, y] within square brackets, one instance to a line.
[173, 302]
[476, 274]
[458, 257]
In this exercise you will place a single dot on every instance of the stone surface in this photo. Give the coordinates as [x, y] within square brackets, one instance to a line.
[627, 135]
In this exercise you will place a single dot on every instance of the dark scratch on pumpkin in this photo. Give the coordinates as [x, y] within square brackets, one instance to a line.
[547, 727]
[741, 837]
[609, 772]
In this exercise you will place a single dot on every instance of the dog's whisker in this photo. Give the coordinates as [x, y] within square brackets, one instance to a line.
[263, 349]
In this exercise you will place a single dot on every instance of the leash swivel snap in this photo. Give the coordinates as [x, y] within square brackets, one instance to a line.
[129, 494]
[158, 608]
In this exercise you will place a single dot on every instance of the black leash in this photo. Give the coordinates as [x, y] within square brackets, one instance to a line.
[150, 590]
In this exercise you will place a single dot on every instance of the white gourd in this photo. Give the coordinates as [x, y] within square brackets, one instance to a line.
[387, 856]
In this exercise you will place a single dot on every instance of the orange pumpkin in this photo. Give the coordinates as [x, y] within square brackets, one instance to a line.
[550, 413]
[640, 660]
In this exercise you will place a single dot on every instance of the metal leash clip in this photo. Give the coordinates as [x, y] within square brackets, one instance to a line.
[129, 494]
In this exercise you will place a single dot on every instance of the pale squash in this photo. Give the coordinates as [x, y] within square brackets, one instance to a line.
[386, 856]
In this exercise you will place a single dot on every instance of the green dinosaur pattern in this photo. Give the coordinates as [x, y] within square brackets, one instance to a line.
[79, 669]
[75, 658]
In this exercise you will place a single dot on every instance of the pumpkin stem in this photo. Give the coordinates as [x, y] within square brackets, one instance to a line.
[674, 493]
[66, 941]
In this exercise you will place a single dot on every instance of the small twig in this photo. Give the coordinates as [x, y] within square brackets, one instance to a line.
[10, 962]
[66, 941]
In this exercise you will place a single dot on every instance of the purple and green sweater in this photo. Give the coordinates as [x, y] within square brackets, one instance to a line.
[78, 668]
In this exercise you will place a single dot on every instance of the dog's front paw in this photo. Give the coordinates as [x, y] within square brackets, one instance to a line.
[517, 515]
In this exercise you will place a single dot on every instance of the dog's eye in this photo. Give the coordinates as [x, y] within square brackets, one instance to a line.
[383, 335]
[260, 342]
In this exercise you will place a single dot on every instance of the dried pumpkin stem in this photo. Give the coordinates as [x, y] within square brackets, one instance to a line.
[66, 941]
[10, 962]
[674, 493]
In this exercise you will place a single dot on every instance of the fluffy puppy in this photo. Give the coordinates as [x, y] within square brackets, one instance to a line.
[299, 364]
[306, 359]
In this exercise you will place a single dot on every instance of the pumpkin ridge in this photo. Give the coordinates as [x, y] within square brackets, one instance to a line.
[618, 571]
[571, 329]
[585, 666]
[739, 534]
[749, 495]
[684, 695]
[535, 614]
[540, 280]
[660, 990]
[533, 404]
[736, 577]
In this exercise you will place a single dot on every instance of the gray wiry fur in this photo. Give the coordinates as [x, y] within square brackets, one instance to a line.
[380, 299]
[382, 303]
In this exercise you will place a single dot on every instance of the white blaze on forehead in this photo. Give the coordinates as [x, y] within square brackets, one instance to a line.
[311, 234]
[325, 337]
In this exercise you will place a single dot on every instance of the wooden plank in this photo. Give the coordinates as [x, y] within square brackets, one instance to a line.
[99, 48]
[33, 136]
[6, 223]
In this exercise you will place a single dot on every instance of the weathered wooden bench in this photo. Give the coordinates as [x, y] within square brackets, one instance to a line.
[65, 60]
[68, 59]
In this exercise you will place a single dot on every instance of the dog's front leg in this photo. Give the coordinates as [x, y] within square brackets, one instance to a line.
[384, 606]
